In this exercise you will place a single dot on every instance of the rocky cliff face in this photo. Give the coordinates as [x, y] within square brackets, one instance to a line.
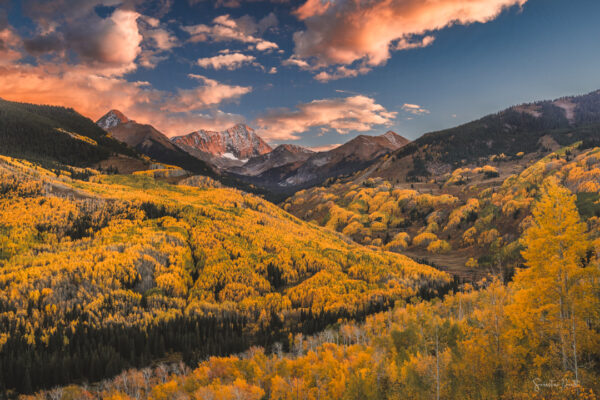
[111, 119]
[239, 142]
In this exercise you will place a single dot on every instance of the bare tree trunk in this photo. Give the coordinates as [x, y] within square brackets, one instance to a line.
[437, 365]
[576, 367]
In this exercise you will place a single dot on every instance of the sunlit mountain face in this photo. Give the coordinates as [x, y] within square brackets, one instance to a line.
[314, 73]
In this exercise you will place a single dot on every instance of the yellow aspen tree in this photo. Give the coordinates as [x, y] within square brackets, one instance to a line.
[548, 292]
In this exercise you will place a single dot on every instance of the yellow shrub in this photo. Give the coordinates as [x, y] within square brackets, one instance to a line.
[439, 246]
[424, 239]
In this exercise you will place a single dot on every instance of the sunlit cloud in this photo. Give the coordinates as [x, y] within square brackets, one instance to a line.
[343, 115]
[226, 29]
[414, 109]
[326, 147]
[346, 32]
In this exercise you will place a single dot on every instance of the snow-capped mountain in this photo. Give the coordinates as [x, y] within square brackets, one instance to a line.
[149, 141]
[237, 143]
[289, 168]
[112, 119]
[284, 154]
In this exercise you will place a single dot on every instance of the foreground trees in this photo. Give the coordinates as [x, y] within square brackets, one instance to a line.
[536, 338]
[114, 273]
[556, 307]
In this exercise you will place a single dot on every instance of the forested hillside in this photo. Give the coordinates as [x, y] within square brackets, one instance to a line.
[471, 218]
[534, 128]
[535, 338]
[54, 134]
[115, 272]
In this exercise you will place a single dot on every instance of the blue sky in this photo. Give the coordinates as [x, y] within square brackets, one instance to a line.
[513, 51]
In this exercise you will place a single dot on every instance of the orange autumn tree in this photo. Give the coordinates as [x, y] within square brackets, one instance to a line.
[549, 312]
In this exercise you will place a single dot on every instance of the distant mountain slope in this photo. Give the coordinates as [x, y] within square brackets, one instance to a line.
[57, 134]
[527, 128]
[346, 159]
[284, 154]
[149, 141]
[238, 142]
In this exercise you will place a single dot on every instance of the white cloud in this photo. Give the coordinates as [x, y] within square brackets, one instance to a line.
[228, 61]
[414, 109]
[340, 73]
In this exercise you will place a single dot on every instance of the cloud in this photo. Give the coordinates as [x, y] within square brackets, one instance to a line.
[326, 147]
[93, 95]
[343, 115]
[81, 58]
[273, 70]
[116, 44]
[297, 62]
[234, 3]
[340, 73]
[228, 61]
[345, 31]
[110, 44]
[414, 109]
[211, 93]
[9, 44]
[226, 29]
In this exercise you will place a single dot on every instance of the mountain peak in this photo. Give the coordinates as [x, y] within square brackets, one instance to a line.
[292, 148]
[238, 142]
[395, 139]
[112, 119]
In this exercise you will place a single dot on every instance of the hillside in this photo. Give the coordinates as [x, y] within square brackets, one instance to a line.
[149, 141]
[535, 128]
[55, 135]
[467, 221]
[116, 272]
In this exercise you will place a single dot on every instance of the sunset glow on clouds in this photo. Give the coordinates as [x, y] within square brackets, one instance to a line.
[277, 65]
[342, 32]
[343, 115]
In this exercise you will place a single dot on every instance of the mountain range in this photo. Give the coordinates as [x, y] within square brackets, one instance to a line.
[240, 153]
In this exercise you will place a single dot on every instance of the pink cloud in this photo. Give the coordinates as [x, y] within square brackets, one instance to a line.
[343, 115]
[344, 32]
[326, 147]
[93, 95]
[211, 93]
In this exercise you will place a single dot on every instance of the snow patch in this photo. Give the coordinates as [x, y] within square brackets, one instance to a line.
[230, 156]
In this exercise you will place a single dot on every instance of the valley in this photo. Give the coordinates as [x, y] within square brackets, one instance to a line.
[133, 275]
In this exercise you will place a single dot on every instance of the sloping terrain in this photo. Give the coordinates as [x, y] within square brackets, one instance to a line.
[284, 154]
[467, 222]
[356, 154]
[536, 128]
[54, 134]
[116, 272]
[150, 142]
